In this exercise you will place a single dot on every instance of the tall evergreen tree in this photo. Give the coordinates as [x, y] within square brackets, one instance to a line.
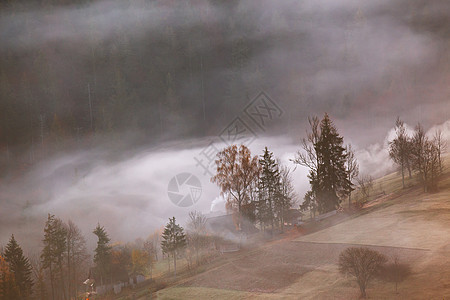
[102, 256]
[326, 158]
[20, 267]
[332, 180]
[55, 245]
[173, 240]
[269, 181]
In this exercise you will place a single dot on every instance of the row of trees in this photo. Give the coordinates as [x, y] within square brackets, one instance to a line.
[64, 262]
[259, 190]
[418, 153]
[63, 258]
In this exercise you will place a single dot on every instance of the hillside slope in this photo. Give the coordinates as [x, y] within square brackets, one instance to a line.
[406, 223]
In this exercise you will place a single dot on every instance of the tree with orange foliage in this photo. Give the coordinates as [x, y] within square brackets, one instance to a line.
[236, 171]
[8, 287]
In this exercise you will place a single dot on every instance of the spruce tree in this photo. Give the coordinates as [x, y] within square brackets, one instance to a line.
[269, 182]
[173, 240]
[55, 245]
[332, 180]
[326, 159]
[20, 267]
[102, 256]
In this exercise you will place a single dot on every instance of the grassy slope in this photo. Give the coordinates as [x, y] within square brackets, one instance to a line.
[403, 218]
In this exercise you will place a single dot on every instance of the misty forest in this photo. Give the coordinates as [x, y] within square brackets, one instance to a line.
[212, 149]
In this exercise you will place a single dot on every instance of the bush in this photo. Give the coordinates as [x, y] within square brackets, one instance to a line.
[362, 263]
[395, 272]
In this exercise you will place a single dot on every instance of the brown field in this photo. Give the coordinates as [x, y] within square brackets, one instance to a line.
[275, 267]
[409, 224]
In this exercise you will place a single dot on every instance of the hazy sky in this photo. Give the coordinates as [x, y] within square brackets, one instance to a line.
[365, 63]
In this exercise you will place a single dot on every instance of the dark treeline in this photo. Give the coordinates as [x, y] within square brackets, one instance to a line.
[158, 82]
[59, 270]
[162, 69]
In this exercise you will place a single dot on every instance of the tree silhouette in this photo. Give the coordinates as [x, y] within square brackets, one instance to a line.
[20, 267]
[173, 240]
[362, 263]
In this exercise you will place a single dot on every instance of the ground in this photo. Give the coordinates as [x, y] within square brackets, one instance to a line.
[406, 223]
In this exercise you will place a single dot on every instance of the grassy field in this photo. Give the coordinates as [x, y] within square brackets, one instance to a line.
[407, 223]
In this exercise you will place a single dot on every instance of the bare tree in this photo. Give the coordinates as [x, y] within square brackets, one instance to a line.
[77, 257]
[441, 146]
[309, 157]
[352, 169]
[150, 249]
[196, 230]
[287, 195]
[40, 290]
[395, 272]
[426, 159]
[399, 149]
[362, 263]
[365, 185]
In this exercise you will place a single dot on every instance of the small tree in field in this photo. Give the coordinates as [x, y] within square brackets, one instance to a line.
[395, 272]
[365, 186]
[362, 263]
[197, 232]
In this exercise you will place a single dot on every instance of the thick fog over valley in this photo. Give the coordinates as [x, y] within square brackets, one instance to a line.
[102, 103]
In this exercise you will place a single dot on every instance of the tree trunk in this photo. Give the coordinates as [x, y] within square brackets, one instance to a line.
[68, 270]
[403, 176]
[168, 260]
[51, 282]
[363, 291]
[175, 263]
[349, 199]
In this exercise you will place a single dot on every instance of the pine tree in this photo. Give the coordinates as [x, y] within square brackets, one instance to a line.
[174, 240]
[269, 181]
[52, 256]
[332, 180]
[326, 159]
[102, 256]
[20, 267]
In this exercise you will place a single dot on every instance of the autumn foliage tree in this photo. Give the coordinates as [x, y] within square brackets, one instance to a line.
[8, 287]
[237, 169]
